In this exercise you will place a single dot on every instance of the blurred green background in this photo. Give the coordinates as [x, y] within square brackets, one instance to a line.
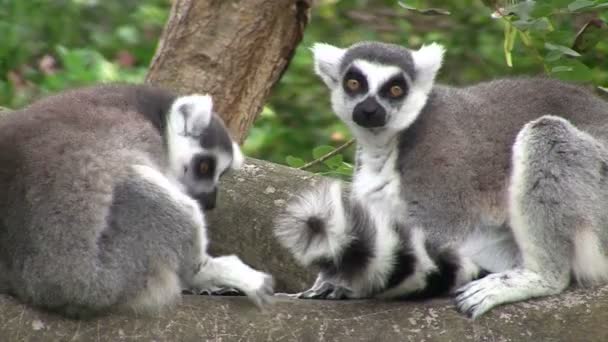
[46, 46]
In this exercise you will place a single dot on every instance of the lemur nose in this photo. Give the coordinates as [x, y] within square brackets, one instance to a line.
[369, 113]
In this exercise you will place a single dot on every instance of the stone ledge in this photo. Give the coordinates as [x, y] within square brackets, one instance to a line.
[577, 315]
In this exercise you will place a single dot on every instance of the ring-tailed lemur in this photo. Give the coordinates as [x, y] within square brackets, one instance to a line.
[99, 208]
[507, 177]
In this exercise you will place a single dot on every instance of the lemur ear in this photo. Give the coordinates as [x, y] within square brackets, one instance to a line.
[191, 114]
[427, 61]
[237, 157]
[327, 62]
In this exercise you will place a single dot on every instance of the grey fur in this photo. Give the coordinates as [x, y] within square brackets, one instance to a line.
[92, 220]
[509, 174]
[381, 53]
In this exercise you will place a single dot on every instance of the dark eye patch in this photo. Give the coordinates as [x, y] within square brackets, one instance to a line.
[204, 167]
[397, 80]
[355, 74]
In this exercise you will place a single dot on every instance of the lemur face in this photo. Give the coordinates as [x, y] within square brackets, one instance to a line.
[376, 86]
[199, 147]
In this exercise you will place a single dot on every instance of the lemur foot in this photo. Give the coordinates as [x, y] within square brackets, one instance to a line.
[324, 290]
[479, 296]
[217, 291]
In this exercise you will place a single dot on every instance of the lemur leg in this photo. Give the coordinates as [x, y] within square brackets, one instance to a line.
[215, 272]
[554, 199]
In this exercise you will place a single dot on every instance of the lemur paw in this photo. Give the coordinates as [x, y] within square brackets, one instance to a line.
[262, 290]
[220, 291]
[479, 296]
[325, 290]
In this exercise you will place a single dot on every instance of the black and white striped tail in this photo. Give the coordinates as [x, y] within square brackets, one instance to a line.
[325, 228]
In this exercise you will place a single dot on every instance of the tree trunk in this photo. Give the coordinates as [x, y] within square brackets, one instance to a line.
[235, 50]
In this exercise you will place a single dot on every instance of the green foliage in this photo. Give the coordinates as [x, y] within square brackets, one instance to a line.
[540, 27]
[47, 46]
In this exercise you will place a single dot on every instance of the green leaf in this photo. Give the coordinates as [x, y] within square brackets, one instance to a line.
[522, 9]
[425, 11]
[580, 4]
[294, 161]
[553, 56]
[345, 169]
[562, 68]
[268, 112]
[572, 70]
[510, 35]
[542, 10]
[334, 162]
[563, 49]
[600, 6]
[320, 151]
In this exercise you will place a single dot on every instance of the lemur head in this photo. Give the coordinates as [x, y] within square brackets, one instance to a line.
[199, 147]
[375, 86]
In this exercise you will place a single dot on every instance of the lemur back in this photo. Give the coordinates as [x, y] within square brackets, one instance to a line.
[99, 212]
[461, 143]
[503, 177]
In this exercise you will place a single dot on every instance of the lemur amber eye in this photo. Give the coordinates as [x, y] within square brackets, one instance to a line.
[353, 84]
[396, 91]
[203, 168]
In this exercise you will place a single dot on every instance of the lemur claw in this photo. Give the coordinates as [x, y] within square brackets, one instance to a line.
[324, 290]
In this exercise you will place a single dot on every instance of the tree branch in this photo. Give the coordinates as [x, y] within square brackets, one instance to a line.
[327, 156]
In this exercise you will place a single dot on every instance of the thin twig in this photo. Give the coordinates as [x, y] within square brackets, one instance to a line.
[328, 155]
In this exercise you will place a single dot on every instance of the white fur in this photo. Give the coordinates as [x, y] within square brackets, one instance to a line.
[162, 288]
[237, 157]
[411, 108]
[200, 110]
[230, 271]
[380, 266]
[424, 266]
[377, 170]
[183, 130]
[427, 62]
[327, 205]
[517, 191]
[589, 263]
[468, 270]
[337, 235]
[327, 62]
[494, 251]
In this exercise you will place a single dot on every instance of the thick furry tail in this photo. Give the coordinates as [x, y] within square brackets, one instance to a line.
[314, 227]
